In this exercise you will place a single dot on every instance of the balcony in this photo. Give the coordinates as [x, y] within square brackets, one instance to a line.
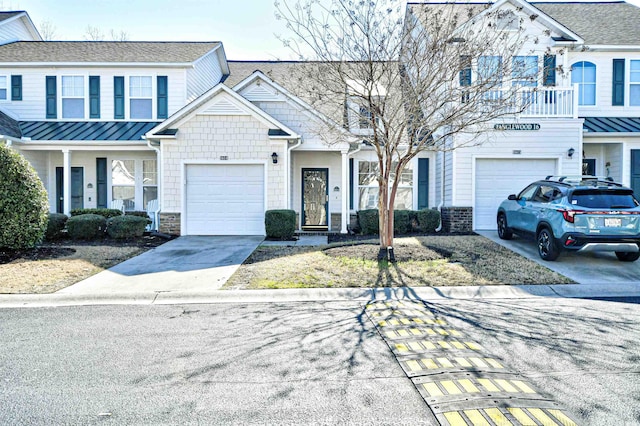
[548, 102]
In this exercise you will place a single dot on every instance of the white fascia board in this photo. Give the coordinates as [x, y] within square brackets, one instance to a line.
[99, 64]
[587, 134]
[10, 138]
[84, 145]
[222, 58]
[613, 47]
[305, 106]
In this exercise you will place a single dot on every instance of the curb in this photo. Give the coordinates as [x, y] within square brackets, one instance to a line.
[439, 294]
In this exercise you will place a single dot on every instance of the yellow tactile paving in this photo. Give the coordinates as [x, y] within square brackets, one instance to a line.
[494, 363]
[429, 363]
[444, 362]
[455, 419]
[506, 386]
[414, 365]
[464, 363]
[428, 345]
[450, 387]
[476, 418]
[415, 346]
[522, 417]
[478, 362]
[432, 389]
[488, 385]
[542, 417]
[469, 386]
[564, 420]
[523, 386]
[457, 345]
[497, 417]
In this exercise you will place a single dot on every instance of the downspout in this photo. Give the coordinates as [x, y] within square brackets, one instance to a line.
[160, 182]
[442, 174]
[288, 171]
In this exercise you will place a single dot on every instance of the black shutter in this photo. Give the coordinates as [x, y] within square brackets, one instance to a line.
[163, 97]
[16, 87]
[423, 183]
[94, 96]
[465, 71]
[617, 95]
[118, 97]
[101, 183]
[351, 188]
[52, 102]
[549, 73]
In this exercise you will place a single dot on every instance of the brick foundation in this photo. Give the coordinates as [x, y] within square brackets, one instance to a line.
[457, 219]
[169, 223]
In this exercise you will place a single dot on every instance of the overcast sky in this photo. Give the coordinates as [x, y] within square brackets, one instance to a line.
[247, 28]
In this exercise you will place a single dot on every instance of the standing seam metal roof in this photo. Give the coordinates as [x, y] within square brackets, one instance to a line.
[85, 131]
[611, 124]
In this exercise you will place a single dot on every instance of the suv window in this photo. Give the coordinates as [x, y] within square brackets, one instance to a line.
[603, 199]
[547, 194]
[528, 192]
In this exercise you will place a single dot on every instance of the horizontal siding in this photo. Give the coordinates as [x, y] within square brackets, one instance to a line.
[203, 76]
[15, 30]
[32, 106]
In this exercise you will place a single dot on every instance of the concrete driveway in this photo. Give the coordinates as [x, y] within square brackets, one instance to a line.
[193, 263]
[584, 268]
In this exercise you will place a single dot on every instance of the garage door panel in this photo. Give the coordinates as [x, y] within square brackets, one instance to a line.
[497, 178]
[225, 199]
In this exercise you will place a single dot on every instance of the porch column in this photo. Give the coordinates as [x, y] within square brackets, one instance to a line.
[66, 179]
[345, 192]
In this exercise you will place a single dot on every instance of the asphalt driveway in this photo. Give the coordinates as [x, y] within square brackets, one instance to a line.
[584, 268]
[193, 263]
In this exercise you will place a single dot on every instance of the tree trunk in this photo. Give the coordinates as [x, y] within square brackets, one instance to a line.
[385, 211]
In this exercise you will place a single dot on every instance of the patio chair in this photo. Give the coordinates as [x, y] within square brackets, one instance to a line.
[153, 208]
[118, 205]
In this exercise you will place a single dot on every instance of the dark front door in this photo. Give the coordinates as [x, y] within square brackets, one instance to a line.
[635, 172]
[77, 188]
[589, 166]
[315, 198]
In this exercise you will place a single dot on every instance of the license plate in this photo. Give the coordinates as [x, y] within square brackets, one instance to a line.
[612, 222]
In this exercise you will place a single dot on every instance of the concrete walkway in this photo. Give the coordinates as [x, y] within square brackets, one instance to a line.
[191, 263]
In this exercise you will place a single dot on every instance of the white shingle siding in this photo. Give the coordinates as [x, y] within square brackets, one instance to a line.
[206, 139]
[205, 74]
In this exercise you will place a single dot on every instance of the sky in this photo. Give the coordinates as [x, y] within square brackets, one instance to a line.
[247, 28]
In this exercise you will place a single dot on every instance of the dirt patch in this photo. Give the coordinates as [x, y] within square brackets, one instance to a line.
[403, 252]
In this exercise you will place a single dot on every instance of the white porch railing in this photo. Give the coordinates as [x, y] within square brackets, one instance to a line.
[548, 102]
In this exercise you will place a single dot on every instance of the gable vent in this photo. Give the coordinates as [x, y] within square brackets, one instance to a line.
[260, 93]
[224, 107]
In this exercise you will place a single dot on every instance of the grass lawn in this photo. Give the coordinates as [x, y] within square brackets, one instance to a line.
[422, 261]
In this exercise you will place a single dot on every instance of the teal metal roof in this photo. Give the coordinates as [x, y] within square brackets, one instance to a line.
[85, 130]
[611, 124]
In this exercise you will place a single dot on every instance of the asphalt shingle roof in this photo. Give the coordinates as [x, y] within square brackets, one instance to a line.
[8, 15]
[278, 71]
[9, 126]
[105, 51]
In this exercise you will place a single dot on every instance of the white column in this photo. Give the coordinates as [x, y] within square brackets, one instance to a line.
[345, 192]
[66, 178]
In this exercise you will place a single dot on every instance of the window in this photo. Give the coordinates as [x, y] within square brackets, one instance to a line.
[507, 20]
[72, 96]
[524, 71]
[368, 186]
[123, 181]
[149, 181]
[140, 97]
[490, 69]
[634, 83]
[584, 74]
[3, 87]
[365, 118]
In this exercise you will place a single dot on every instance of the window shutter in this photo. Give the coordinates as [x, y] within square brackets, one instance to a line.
[16, 87]
[423, 183]
[465, 71]
[51, 95]
[94, 96]
[163, 97]
[351, 187]
[118, 97]
[617, 95]
[101, 182]
[549, 73]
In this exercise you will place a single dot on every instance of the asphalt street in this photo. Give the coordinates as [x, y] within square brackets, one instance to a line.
[298, 363]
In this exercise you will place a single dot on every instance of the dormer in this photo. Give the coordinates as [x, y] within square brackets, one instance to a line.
[17, 26]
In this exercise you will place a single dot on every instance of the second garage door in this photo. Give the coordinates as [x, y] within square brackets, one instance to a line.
[497, 178]
[224, 199]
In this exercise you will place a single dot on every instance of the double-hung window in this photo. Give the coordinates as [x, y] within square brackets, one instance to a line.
[368, 186]
[3, 87]
[72, 96]
[140, 97]
[584, 75]
[524, 71]
[490, 70]
[634, 83]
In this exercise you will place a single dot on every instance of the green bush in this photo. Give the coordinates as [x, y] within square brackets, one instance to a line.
[106, 213]
[55, 226]
[86, 226]
[428, 219]
[401, 221]
[139, 213]
[128, 226]
[24, 206]
[369, 221]
[280, 223]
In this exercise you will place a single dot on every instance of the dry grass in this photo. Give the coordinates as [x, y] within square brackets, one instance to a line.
[423, 261]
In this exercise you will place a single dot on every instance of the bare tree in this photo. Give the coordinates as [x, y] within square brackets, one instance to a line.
[48, 31]
[402, 79]
[92, 33]
[121, 35]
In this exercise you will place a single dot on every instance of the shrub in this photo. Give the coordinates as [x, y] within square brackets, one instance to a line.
[106, 213]
[23, 202]
[428, 219]
[401, 221]
[128, 226]
[138, 213]
[86, 226]
[280, 223]
[368, 221]
[55, 226]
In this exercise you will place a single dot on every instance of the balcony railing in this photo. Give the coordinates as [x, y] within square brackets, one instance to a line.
[548, 102]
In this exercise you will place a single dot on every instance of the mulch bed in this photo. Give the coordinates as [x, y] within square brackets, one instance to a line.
[58, 248]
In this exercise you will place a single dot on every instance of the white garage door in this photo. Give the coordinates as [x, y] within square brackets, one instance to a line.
[497, 178]
[224, 199]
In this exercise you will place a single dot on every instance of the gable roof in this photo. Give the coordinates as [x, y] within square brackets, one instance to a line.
[602, 23]
[26, 20]
[8, 15]
[105, 51]
[275, 70]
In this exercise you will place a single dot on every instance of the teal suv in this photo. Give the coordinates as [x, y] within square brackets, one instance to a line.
[582, 213]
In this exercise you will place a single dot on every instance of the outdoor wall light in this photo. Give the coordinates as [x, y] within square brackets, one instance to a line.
[89, 186]
[336, 189]
[571, 152]
[274, 158]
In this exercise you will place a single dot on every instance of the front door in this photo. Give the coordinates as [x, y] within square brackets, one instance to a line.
[315, 199]
[588, 166]
[635, 172]
[77, 188]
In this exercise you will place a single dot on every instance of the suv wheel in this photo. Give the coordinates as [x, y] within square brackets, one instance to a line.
[503, 230]
[547, 248]
[624, 256]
